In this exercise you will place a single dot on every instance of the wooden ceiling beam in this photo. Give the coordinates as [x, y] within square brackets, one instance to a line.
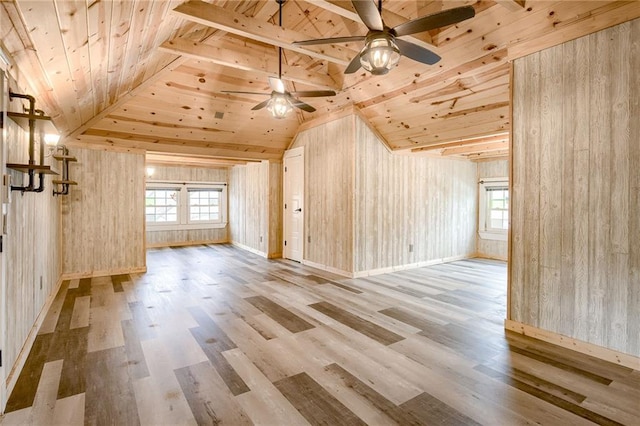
[265, 32]
[246, 61]
[181, 146]
[463, 142]
[164, 159]
[476, 148]
[512, 5]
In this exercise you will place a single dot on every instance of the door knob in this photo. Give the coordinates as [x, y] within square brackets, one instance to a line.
[299, 209]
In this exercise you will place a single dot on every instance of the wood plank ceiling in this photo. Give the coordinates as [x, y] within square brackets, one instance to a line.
[148, 74]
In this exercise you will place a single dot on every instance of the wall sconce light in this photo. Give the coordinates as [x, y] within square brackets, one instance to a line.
[150, 171]
[51, 139]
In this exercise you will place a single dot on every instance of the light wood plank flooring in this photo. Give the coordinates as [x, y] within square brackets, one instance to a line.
[217, 335]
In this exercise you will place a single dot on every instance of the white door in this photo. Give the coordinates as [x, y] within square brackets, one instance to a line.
[294, 204]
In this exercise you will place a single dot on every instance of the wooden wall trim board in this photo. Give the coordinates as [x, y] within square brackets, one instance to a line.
[327, 268]
[186, 243]
[104, 273]
[587, 348]
[492, 257]
[15, 370]
[250, 249]
[407, 266]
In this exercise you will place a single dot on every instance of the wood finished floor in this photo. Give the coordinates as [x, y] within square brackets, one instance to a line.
[217, 335]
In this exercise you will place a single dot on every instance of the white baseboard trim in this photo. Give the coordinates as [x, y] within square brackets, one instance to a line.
[249, 249]
[390, 269]
[581, 346]
[17, 367]
[327, 268]
[387, 270]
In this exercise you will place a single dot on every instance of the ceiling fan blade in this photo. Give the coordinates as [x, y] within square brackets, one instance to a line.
[435, 20]
[329, 40]
[261, 105]
[417, 53]
[244, 93]
[314, 93]
[354, 65]
[369, 14]
[301, 105]
[277, 85]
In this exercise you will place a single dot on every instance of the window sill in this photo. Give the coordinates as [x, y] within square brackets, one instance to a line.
[496, 236]
[192, 226]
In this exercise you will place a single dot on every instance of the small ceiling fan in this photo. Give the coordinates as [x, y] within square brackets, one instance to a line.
[383, 48]
[281, 101]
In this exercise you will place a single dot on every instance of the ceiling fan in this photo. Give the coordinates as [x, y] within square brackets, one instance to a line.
[383, 48]
[282, 101]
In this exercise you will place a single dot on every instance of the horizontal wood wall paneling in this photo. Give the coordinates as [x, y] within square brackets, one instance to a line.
[107, 206]
[574, 200]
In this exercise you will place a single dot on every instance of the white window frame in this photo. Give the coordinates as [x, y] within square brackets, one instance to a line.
[184, 222]
[483, 208]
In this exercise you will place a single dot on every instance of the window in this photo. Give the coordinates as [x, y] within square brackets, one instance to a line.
[184, 205]
[494, 208]
[161, 205]
[204, 205]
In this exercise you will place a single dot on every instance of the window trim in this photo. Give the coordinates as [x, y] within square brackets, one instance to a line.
[184, 222]
[166, 187]
[483, 208]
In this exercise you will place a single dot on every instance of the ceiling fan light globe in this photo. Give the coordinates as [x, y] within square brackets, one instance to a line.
[279, 106]
[380, 55]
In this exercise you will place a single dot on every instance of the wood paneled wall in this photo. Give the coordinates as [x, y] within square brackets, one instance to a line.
[576, 189]
[492, 249]
[370, 211]
[31, 248]
[275, 209]
[189, 236]
[410, 210]
[255, 207]
[328, 191]
[103, 216]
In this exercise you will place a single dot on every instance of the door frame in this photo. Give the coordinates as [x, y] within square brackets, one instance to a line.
[295, 152]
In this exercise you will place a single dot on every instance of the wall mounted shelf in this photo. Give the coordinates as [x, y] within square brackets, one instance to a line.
[22, 120]
[34, 122]
[25, 168]
[64, 157]
[62, 154]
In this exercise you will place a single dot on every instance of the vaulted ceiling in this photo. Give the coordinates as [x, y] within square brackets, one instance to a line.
[149, 74]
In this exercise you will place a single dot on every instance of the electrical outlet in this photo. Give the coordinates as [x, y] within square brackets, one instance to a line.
[260, 238]
[40, 282]
[308, 238]
[410, 248]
